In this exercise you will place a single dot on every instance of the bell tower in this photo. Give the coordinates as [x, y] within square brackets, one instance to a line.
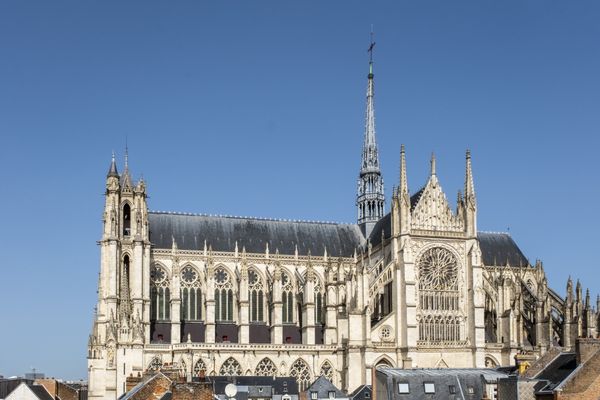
[121, 320]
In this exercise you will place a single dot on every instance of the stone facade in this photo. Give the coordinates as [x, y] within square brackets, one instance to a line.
[416, 287]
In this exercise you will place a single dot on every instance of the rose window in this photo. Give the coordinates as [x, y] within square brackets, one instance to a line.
[157, 274]
[221, 276]
[188, 275]
[438, 270]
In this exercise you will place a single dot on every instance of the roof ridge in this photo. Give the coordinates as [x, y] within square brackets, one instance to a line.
[495, 232]
[248, 217]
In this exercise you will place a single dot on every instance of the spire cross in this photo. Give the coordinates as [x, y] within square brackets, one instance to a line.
[370, 51]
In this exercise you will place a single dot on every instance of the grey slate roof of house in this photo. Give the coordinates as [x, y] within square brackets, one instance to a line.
[322, 386]
[222, 233]
[443, 379]
[362, 392]
[40, 392]
[280, 385]
[558, 370]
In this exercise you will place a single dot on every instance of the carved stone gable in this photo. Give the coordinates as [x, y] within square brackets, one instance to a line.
[433, 212]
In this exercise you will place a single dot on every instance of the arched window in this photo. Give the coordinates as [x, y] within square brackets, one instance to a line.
[327, 371]
[287, 301]
[223, 295]
[256, 296]
[230, 368]
[200, 368]
[124, 294]
[266, 367]
[160, 296]
[301, 372]
[439, 314]
[126, 220]
[191, 296]
[319, 303]
[155, 364]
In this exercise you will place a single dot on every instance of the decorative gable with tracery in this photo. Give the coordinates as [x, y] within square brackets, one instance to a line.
[432, 211]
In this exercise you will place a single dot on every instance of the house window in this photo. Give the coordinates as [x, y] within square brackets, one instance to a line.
[331, 394]
[452, 389]
[429, 387]
[470, 390]
[313, 395]
[403, 388]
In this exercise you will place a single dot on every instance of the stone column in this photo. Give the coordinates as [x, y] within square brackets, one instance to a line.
[330, 316]
[308, 309]
[244, 312]
[276, 312]
[175, 304]
[210, 306]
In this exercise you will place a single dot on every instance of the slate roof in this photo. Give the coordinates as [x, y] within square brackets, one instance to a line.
[558, 370]
[323, 386]
[280, 385]
[222, 232]
[498, 249]
[362, 392]
[40, 392]
[443, 379]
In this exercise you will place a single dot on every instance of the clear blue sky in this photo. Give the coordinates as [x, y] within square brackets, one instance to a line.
[257, 108]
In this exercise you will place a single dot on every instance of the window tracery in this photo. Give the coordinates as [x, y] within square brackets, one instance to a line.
[199, 368]
[319, 302]
[287, 302]
[155, 364]
[160, 296]
[301, 372]
[223, 295]
[191, 294]
[256, 296]
[327, 371]
[440, 320]
[230, 368]
[266, 367]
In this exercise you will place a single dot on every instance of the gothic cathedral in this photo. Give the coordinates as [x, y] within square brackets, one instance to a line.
[417, 287]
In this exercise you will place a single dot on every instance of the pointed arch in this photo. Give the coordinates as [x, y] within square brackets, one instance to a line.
[126, 207]
[230, 368]
[155, 364]
[200, 368]
[301, 372]
[384, 362]
[265, 367]
[256, 295]
[327, 371]
[491, 361]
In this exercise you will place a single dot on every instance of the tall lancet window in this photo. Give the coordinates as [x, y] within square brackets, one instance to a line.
[256, 296]
[439, 316]
[191, 295]
[223, 295]
[160, 296]
[126, 220]
[287, 301]
[319, 302]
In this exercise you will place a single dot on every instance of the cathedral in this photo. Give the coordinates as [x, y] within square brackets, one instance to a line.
[416, 287]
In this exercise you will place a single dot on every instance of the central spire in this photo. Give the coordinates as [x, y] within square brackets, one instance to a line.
[370, 198]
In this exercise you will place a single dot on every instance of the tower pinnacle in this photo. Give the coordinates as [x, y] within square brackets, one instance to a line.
[370, 198]
[112, 170]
